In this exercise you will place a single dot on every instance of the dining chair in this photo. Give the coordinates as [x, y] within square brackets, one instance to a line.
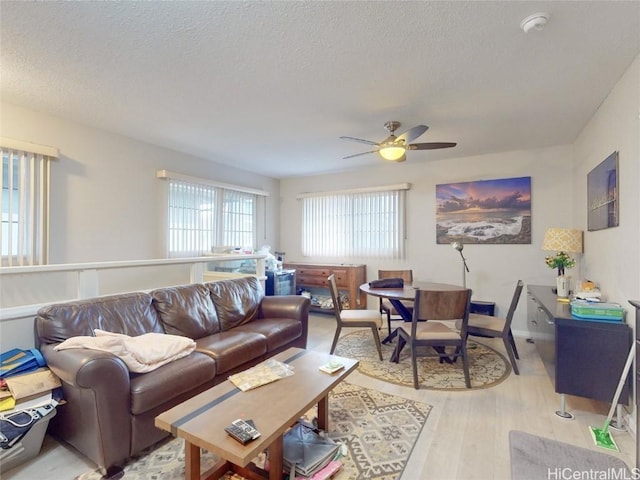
[428, 337]
[495, 327]
[353, 318]
[385, 305]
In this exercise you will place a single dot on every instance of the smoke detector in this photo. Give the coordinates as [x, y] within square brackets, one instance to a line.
[537, 21]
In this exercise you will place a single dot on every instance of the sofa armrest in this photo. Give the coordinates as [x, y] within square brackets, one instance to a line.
[295, 307]
[97, 416]
[85, 368]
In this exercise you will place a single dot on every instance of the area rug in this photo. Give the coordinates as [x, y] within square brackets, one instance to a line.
[378, 429]
[487, 367]
[538, 458]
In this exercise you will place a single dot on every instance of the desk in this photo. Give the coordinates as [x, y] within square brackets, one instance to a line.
[408, 292]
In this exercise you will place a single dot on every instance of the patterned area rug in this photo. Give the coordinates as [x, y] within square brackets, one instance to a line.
[487, 368]
[378, 429]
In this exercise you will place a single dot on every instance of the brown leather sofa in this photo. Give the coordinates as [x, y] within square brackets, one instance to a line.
[109, 411]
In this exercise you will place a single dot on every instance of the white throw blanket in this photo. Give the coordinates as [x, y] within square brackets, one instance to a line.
[143, 353]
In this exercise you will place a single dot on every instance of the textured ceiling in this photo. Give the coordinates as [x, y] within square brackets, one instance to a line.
[271, 86]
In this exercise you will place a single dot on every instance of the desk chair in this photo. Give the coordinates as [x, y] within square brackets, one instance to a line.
[385, 305]
[496, 327]
[353, 318]
[427, 337]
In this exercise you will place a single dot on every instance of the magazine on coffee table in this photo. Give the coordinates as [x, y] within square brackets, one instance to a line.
[263, 373]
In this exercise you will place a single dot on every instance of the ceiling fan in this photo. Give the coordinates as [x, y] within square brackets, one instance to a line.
[393, 148]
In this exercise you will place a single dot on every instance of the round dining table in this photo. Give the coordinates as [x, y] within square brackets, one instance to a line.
[407, 292]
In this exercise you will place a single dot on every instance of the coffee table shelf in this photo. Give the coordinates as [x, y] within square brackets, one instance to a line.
[274, 407]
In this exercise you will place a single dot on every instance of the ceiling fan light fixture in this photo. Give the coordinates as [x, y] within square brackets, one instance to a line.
[392, 152]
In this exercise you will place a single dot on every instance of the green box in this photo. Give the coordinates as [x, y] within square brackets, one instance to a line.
[597, 311]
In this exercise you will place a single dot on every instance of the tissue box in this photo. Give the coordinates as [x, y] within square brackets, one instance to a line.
[611, 312]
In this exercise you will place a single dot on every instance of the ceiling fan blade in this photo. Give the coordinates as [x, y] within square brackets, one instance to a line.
[413, 133]
[358, 154]
[368, 142]
[430, 146]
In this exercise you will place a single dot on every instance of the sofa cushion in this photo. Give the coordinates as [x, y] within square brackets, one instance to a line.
[129, 313]
[278, 331]
[232, 348]
[151, 389]
[236, 300]
[186, 310]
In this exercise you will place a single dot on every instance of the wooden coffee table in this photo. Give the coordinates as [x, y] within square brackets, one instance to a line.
[274, 407]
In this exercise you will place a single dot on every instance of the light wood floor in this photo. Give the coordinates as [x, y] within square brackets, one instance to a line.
[466, 434]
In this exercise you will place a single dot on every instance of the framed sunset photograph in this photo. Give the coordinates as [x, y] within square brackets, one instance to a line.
[484, 211]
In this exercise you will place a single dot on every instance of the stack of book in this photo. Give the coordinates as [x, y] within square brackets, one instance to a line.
[307, 453]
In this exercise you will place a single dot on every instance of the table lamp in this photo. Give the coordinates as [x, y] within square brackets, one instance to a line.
[459, 246]
[563, 241]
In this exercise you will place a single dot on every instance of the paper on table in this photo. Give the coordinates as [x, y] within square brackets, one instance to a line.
[332, 367]
[263, 373]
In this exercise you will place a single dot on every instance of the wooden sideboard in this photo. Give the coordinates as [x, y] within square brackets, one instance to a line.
[348, 279]
[583, 358]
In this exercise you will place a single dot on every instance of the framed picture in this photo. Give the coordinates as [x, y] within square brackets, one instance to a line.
[602, 195]
[485, 211]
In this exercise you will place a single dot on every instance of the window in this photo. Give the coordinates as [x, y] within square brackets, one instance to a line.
[202, 214]
[357, 223]
[24, 205]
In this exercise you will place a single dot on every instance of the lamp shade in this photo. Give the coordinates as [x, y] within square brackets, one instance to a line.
[562, 240]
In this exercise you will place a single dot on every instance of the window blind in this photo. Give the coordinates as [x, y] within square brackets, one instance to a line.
[24, 204]
[358, 224]
[202, 216]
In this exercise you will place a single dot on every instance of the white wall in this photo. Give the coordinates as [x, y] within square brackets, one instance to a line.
[494, 269]
[558, 182]
[612, 256]
[106, 202]
[108, 205]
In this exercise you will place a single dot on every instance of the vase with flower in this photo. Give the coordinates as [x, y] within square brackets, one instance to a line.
[560, 261]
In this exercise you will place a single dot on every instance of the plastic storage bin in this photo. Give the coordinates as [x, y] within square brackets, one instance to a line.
[28, 447]
[605, 312]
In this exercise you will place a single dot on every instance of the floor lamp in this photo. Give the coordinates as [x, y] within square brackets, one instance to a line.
[459, 246]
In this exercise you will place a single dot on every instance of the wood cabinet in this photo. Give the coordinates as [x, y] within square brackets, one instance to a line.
[583, 358]
[348, 279]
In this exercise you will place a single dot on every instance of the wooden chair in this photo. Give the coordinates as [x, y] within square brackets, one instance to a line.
[428, 337]
[385, 305]
[496, 327]
[353, 318]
